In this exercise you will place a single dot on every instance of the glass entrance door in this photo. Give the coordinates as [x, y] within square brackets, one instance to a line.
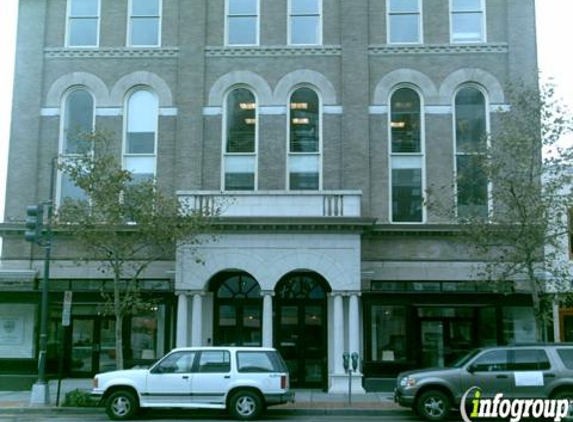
[301, 328]
[445, 340]
[92, 345]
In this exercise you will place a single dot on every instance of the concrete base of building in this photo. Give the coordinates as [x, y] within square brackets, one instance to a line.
[339, 384]
[40, 394]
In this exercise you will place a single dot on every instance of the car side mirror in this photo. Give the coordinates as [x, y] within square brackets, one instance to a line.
[471, 369]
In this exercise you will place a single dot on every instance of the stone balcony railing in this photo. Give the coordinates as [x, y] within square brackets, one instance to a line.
[275, 203]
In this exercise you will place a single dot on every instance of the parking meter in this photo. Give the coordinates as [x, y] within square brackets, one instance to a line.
[346, 361]
[354, 358]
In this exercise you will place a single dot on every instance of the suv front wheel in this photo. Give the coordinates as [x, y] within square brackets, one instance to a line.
[433, 405]
[245, 405]
[121, 405]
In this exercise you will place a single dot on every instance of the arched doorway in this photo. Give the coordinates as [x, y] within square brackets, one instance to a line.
[301, 327]
[237, 310]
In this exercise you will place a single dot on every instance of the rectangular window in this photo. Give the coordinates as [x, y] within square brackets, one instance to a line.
[260, 362]
[215, 361]
[404, 21]
[305, 26]
[144, 22]
[83, 23]
[467, 21]
[388, 333]
[242, 22]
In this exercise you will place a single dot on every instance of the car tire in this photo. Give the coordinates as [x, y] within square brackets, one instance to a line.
[433, 405]
[566, 395]
[121, 405]
[245, 405]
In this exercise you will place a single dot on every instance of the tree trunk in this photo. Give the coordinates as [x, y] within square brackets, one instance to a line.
[537, 311]
[119, 341]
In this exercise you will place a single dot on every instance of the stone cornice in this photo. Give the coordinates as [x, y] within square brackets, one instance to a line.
[383, 50]
[273, 51]
[111, 52]
[293, 224]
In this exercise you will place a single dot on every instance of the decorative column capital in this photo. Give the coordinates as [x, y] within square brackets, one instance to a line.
[267, 293]
[197, 293]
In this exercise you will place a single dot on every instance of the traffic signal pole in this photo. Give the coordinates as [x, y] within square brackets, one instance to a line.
[40, 391]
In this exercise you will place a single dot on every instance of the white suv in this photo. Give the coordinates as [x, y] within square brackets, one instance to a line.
[244, 380]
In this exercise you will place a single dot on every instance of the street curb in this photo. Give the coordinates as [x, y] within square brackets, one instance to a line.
[270, 412]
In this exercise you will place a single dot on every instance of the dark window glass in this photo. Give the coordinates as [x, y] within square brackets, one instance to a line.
[214, 361]
[496, 360]
[471, 186]
[304, 121]
[406, 195]
[405, 121]
[259, 362]
[470, 121]
[79, 121]
[566, 356]
[239, 286]
[241, 121]
[175, 363]
[388, 333]
[301, 287]
[530, 360]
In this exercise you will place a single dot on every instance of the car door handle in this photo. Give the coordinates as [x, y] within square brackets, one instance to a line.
[549, 375]
[227, 376]
[501, 376]
[185, 377]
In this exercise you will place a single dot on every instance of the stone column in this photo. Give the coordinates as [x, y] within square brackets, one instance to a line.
[182, 320]
[556, 323]
[197, 320]
[338, 335]
[267, 318]
[354, 340]
[337, 376]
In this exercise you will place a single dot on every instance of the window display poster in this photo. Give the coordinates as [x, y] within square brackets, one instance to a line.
[17, 330]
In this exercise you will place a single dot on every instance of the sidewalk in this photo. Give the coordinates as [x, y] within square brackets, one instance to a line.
[306, 401]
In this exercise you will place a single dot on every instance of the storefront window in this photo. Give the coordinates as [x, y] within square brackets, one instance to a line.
[518, 325]
[487, 325]
[145, 342]
[388, 333]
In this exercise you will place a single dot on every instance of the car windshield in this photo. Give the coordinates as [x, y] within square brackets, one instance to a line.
[458, 363]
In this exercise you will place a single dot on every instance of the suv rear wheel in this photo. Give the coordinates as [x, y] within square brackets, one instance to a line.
[121, 405]
[566, 395]
[433, 405]
[245, 405]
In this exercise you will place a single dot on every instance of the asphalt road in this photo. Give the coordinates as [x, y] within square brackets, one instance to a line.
[158, 416]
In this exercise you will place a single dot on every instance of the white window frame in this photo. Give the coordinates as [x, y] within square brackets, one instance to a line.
[455, 143]
[69, 18]
[130, 20]
[257, 29]
[320, 24]
[124, 153]
[62, 132]
[483, 23]
[421, 154]
[224, 152]
[320, 137]
[420, 14]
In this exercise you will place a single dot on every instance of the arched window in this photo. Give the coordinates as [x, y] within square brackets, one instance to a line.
[78, 120]
[141, 134]
[471, 142]
[406, 157]
[304, 140]
[238, 307]
[240, 153]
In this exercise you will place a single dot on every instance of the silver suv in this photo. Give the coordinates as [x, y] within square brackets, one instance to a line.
[244, 380]
[525, 371]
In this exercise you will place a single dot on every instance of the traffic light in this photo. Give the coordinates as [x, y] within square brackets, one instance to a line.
[34, 223]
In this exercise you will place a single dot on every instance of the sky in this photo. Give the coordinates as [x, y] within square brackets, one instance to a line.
[554, 33]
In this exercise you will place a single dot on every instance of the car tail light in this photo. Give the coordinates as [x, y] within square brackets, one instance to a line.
[95, 382]
[283, 382]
